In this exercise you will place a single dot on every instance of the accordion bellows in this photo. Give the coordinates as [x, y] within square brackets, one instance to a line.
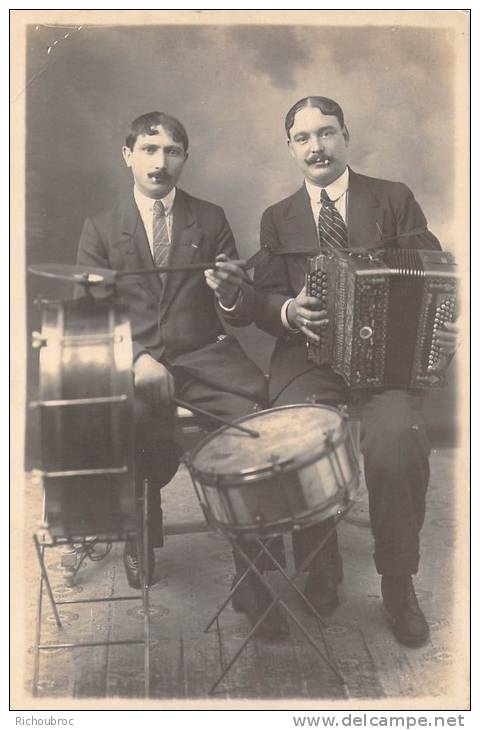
[385, 307]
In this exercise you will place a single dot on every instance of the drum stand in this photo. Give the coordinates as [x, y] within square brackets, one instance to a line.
[264, 549]
[43, 540]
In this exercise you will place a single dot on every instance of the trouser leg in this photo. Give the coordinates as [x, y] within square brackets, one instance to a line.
[156, 459]
[220, 403]
[305, 541]
[396, 452]
[322, 386]
[264, 562]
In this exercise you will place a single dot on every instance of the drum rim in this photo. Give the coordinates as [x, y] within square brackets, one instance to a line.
[250, 476]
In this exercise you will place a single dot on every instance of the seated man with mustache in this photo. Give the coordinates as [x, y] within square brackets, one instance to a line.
[179, 340]
[337, 207]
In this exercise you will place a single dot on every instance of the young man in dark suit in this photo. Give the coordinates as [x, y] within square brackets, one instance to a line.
[179, 341]
[338, 207]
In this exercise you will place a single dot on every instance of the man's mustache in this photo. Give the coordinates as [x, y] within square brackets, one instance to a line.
[318, 158]
[162, 176]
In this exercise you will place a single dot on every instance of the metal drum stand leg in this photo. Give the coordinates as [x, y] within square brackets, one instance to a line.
[42, 541]
[252, 567]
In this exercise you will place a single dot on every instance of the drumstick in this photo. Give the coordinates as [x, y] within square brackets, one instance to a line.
[207, 414]
[186, 267]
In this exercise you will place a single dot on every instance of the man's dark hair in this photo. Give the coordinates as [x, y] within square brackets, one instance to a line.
[148, 123]
[326, 106]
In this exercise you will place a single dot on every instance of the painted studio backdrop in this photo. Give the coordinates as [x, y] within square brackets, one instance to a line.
[231, 87]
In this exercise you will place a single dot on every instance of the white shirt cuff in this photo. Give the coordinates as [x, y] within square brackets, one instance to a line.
[235, 304]
[283, 315]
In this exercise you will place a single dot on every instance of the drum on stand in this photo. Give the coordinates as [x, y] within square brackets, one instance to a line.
[302, 469]
[86, 418]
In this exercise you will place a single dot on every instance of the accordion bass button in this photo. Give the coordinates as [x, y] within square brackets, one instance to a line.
[365, 332]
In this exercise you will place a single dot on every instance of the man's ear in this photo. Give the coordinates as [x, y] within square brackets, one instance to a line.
[346, 135]
[127, 153]
[289, 145]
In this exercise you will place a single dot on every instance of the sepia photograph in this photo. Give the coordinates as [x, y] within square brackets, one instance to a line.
[240, 379]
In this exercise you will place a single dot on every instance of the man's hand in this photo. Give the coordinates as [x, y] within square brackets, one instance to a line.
[153, 382]
[226, 279]
[305, 314]
[448, 338]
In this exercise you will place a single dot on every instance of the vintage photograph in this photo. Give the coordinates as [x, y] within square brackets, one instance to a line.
[240, 359]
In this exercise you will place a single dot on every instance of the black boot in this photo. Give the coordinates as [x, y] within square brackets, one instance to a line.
[132, 564]
[253, 598]
[408, 622]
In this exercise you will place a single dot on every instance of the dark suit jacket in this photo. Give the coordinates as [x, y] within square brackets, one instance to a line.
[175, 320]
[377, 212]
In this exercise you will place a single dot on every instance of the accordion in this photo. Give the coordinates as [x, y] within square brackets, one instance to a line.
[384, 308]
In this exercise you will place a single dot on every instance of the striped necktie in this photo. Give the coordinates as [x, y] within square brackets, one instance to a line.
[331, 226]
[161, 242]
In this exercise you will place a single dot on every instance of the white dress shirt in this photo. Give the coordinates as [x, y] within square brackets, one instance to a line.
[337, 191]
[145, 207]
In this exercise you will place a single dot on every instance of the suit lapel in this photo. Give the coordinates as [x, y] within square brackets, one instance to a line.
[364, 219]
[136, 246]
[186, 237]
[300, 227]
[364, 213]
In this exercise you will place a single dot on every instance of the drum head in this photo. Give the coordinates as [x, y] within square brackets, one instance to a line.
[290, 436]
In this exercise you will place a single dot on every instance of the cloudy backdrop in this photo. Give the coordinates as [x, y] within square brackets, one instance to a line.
[231, 87]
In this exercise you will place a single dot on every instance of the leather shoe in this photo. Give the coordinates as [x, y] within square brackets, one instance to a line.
[132, 564]
[408, 622]
[253, 598]
[321, 586]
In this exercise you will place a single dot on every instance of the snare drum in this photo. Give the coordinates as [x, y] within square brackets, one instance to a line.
[302, 469]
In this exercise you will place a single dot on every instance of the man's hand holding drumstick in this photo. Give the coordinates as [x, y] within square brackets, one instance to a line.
[226, 279]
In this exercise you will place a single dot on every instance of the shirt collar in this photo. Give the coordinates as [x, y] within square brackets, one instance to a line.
[145, 203]
[335, 190]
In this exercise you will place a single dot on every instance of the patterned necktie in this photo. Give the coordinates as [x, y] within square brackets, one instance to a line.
[331, 226]
[161, 242]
